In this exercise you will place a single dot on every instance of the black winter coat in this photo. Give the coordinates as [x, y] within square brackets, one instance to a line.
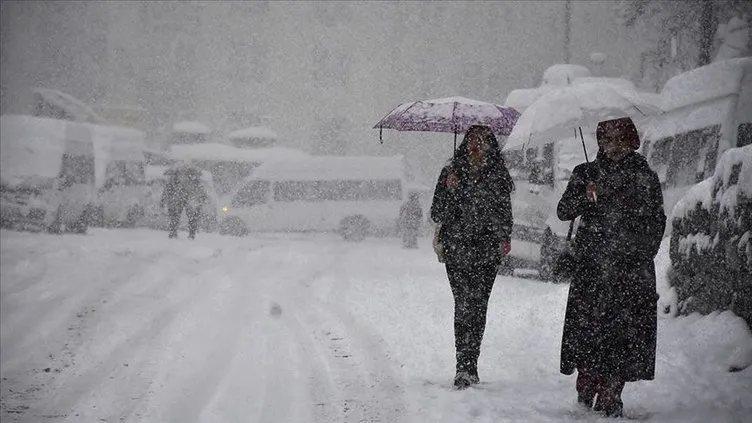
[610, 325]
[183, 189]
[475, 216]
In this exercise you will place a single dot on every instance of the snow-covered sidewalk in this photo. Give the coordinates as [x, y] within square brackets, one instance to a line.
[131, 326]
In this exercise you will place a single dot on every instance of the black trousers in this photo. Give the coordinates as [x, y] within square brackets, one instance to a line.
[471, 287]
[192, 213]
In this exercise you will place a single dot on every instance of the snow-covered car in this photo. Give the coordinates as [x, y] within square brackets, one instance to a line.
[47, 174]
[711, 250]
[156, 217]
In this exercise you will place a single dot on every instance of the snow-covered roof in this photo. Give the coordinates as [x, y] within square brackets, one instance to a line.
[705, 83]
[76, 108]
[253, 132]
[189, 127]
[332, 168]
[224, 152]
[563, 74]
[520, 99]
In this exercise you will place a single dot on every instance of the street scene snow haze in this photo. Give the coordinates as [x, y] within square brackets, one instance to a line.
[346, 211]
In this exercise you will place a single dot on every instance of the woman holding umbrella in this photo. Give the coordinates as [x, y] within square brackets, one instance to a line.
[610, 325]
[472, 207]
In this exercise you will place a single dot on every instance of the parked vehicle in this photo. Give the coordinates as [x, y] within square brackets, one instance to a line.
[156, 217]
[540, 177]
[355, 196]
[707, 111]
[47, 174]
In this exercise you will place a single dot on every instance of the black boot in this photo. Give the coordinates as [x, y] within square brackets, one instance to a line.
[587, 388]
[609, 399]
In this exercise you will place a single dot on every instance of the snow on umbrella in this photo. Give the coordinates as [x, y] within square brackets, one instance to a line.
[559, 112]
[451, 114]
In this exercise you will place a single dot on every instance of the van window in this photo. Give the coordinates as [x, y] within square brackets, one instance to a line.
[254, 193]
[693, 156]
[744, 135]
[359, 190]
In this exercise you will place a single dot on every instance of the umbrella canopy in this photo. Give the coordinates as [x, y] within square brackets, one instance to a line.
[451, 114]
[557, 113]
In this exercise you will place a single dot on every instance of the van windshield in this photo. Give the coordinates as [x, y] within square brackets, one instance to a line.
[254, 193]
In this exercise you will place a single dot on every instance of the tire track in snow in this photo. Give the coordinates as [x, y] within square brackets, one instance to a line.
[129, 357]
[368, 389]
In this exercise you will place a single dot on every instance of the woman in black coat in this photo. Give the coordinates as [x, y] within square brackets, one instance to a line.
[472, 205]
[611, 321]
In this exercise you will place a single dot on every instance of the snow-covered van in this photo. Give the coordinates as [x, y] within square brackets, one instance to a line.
[47, 174]
[706, 111]
[156, 216]
[356, 196]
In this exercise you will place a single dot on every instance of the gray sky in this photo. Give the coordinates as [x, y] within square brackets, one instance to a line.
[319, 73]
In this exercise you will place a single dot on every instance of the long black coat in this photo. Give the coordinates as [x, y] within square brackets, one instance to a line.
[476, 215]
[610, 325]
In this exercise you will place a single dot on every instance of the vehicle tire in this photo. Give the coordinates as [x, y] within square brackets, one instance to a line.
[234, 226]
[354, 228]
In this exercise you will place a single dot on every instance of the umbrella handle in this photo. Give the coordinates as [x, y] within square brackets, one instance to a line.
[454, 152]
[583, 143]
[381, 137]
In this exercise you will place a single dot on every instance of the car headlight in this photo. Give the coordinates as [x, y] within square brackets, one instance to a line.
[225, 209]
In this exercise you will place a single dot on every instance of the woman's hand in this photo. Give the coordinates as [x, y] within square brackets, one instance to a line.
[504, 248]
[452, 180]
[591, 191]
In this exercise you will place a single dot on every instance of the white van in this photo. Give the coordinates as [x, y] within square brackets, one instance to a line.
[356, 196]
[707, 111]
[47, 174]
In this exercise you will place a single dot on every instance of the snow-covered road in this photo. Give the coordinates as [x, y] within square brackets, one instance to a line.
[130, 326]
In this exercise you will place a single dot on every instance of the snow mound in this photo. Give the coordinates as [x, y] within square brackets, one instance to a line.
[741, 358]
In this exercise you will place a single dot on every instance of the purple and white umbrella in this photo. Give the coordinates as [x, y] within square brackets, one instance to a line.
[451, 114]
